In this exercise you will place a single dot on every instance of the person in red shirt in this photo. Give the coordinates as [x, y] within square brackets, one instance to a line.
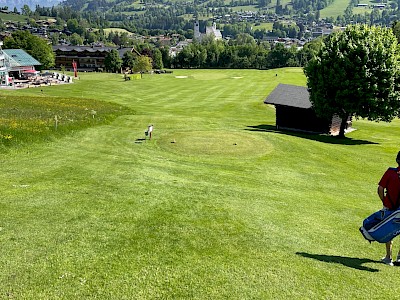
[389, 193]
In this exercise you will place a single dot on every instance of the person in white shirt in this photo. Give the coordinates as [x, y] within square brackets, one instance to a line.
[150, 130]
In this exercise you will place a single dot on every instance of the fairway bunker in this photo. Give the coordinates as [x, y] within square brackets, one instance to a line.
[216, 144]
[181, 77]
[236, 77]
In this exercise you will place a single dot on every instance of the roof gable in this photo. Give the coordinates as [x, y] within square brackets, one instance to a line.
[289, 95]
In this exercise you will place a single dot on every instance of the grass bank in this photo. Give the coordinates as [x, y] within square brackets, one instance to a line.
[40, 118]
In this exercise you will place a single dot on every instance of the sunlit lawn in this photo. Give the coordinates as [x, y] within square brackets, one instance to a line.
[265, 26]
[218, 205]
[335, 9]
[12, 17]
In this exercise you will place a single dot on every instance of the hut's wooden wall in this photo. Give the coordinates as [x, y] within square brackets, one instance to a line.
[300, 119]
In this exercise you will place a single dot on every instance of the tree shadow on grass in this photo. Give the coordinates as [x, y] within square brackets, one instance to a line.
[323, 138]
[351, 262]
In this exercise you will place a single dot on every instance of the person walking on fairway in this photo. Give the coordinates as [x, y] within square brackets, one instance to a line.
[150, 130]
[389, 193]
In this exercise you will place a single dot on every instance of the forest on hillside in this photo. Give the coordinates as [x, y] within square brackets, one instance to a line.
[156, 17]
[174, 15]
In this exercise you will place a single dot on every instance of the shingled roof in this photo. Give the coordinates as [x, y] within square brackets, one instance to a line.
[289, 95]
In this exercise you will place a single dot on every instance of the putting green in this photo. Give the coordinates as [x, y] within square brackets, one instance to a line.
[216, 143]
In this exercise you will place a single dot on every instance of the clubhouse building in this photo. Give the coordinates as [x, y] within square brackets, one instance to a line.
[15, 64]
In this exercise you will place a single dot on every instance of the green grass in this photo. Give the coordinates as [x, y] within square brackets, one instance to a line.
[362, 10]
[266, 26]
[31, 119]
[335, 9]
[245, 8]
[218, 205]
[12, 17]
[119, 30]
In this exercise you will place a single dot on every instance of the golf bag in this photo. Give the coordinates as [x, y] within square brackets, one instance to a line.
[382, 226]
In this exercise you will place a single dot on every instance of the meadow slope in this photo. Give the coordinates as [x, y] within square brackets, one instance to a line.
[218, 205]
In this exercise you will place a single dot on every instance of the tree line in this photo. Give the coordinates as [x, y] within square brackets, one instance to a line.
[241, 53]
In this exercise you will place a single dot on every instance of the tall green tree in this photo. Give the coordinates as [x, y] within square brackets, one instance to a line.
[32, 44]
[143, 64]
[26, 11]
[74, 27]
[128, 60]
[279, 56]
[112, 61]
[75, 39]
[309, 50]
[166, 58]
[55, 38]
[157, 59]
[356, 73]
[396, 30]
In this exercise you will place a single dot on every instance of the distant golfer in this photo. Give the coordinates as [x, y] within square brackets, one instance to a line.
[150, 130]
[389, 193]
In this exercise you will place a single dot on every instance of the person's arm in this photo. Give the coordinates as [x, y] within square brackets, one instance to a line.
[381, 192]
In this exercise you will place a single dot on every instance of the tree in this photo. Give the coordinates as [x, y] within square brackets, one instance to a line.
[123, 39]
[356, 73]
[309, 50]
[396, 30]
[34, 45]
[157, 59]
[166, 58]
[244, 39]
[279, 56]
[91, 37]
[112, 61]
[26, 11]
[128, 60]
[74, 27]
[75, 39]
[55, 38]
[143, 64]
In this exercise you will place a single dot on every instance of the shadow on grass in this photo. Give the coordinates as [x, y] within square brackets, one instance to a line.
[139, 141]
[351, 262]
[315, 137]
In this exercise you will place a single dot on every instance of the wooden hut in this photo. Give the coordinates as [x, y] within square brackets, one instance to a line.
[294, 111]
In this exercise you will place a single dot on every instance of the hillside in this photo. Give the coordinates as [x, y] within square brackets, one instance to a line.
[284, 6]
[218, 205]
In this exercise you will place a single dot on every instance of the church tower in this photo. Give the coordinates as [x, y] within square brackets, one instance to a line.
[196, 33]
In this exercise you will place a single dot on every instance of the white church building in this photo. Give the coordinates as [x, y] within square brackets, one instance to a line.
[210, 31]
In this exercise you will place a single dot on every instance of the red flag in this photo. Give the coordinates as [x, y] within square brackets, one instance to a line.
[75, 66]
